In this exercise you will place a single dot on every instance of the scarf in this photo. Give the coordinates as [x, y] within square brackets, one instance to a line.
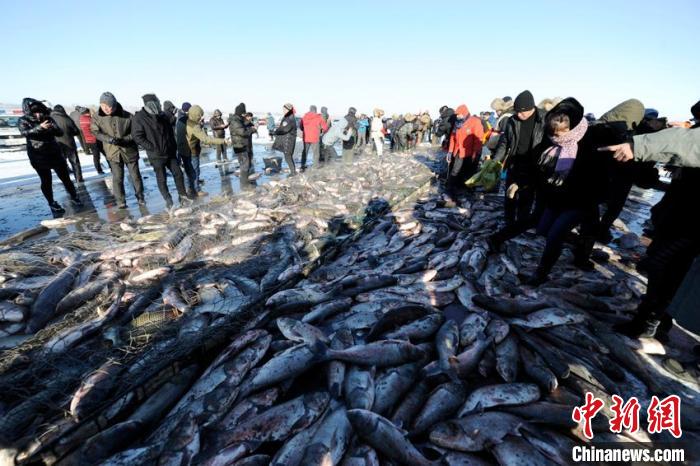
[459, 122]
[564, 152]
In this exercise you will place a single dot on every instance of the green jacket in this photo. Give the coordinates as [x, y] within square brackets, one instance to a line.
[675, 146]
[195, 134]
[630, 111]
[115, 128]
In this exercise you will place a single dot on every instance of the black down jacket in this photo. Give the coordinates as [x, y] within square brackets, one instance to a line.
[154, 134]
[42, 148]
[239, 130]
[286, 134]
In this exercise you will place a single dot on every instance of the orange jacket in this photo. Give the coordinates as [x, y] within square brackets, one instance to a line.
[467, 140]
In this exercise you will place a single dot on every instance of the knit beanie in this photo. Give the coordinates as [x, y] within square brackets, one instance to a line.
[108, 98]
[524, 102]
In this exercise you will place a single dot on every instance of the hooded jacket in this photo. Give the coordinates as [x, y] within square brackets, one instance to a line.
[195, 135]
[312, 124]
[446, 122]
[42, 149]
[337, 133]
[508, 145]
[286, 134]
[154, 133]
[240, 131]
[465, 140]
[586, 184]
[352, 124]
[631, 112]
[217, 125]
[114, 131]
[67, 126]
[170, 112]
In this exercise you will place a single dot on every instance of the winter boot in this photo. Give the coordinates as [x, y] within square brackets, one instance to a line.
[56, 207]
[582, 253]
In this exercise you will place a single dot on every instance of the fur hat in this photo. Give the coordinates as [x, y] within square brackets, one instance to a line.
[409, 117]
[378, 112]
[548, 104]
[500, 105]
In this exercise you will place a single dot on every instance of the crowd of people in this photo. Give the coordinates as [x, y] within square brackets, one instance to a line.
[564, 168]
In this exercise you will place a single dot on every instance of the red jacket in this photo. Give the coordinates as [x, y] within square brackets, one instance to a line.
[466, 142]
[312, 123]
[85, 120]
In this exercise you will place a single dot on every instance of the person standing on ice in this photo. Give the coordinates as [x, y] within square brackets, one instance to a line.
[349, 145]
[240, 132]
[189, 162]
[251, 123]
[44, 152]
[194, 137]
[465, 148]
[112, 126]
[218, 129]
[362, 128]
[377, 131]
[152, 131]
[67, 140]
[270, 123]
[312, 124]
[286, 136]
[338, 132]
[326, 117]
[91, 146]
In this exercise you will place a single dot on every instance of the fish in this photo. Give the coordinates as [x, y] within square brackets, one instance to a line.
[335, 370]
[326, 310]
[44, 306]
[282, 421]
[491, 396]
[473, 325]
[380, 353]
[331, 439]
[296, 299]
[442, 403]
[358, 389]
[360, 455]
[11, 312]
[465, 362]
[515, 450]
[475, 432]
[447, 344]
[300, 332]
[79, 296]
[507, 358]
[183, 444]
[392, 383]
[509, 306]
[293, 449]
[379, 433]
[411, 404]
[537, 369]
[95, 388]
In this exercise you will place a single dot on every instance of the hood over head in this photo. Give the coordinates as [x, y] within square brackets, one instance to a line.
[59, 109]
[31, 106]
[217, 113]
[151, 104]
[169, 107]
[571, 108]
[186, 106]
[195, 113]
[352, 111]
[630, 111]
[462, 111]
[240, 109]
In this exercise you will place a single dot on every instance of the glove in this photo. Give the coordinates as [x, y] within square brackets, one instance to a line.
[116, 141]
[512, 189]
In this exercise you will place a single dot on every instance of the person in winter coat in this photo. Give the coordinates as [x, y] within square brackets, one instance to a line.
[349, 145]
[195, 136]
[446, 124]
[152, 131]
[67, 141]
[572, 177]
[112, 126]
[326, 117]
[362, 128]
[43, 151]
[91, 142]
[184, 155]
[270, 125]
[241, 131]
[218, 128]
[377, 131]
[465, 148]
[676, 240]
[75, 116]
[405, 132]
[312, 124]
[424, 126]
[170, 111]
[338, 132]
[517, 150]
[286, 137]
[251, 122]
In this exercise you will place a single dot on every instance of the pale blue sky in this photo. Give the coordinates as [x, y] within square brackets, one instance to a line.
[399, 55]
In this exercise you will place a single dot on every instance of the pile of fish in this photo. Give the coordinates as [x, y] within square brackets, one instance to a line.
[99, 293]
[411, 343]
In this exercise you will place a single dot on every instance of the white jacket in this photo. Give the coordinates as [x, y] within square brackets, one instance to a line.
[377, 126]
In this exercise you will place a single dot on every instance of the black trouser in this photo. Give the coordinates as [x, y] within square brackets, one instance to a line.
[555, 224]
[192, 179]
[118, 179]
[315, 147]
[617, 196]
[221, 152]
[95, 148]
[244, 164]
[668, 261]
[159, 165]
[519, 208]
[459, 171]
[71, 155]
[289, 158]
[46, 181]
